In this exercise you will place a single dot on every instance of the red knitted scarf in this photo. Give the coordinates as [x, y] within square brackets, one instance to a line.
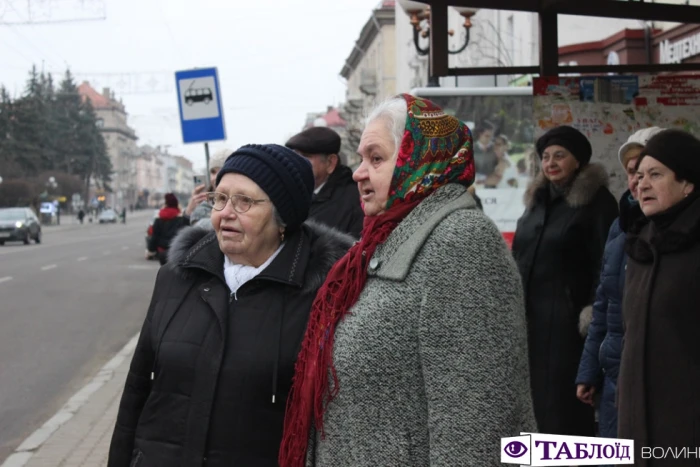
[311, 392]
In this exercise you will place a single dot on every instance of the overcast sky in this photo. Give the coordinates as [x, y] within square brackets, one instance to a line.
[277, 59]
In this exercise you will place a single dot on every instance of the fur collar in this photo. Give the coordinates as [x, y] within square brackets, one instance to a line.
[327, 246]
[589, 180]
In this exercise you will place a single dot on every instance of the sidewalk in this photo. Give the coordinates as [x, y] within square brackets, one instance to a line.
[80, 433]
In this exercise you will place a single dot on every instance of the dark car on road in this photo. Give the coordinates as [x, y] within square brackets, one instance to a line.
[19, 225]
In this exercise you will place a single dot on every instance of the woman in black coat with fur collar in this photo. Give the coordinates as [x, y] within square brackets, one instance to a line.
[558, 245]
[213, 366]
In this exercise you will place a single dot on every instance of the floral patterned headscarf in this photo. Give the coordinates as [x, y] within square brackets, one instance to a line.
[436, 149]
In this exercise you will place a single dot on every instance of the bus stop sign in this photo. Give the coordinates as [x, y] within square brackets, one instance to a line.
[199, 100]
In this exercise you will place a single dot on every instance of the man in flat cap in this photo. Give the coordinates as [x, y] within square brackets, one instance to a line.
[336, 201]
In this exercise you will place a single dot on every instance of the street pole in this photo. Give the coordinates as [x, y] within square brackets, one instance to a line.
[206, 155]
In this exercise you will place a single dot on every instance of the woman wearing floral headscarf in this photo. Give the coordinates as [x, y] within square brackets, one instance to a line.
[416, 352]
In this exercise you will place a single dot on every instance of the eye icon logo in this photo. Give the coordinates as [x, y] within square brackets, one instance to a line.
[515, 449]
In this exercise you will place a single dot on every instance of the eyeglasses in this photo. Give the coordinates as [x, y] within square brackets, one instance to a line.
[241, 203]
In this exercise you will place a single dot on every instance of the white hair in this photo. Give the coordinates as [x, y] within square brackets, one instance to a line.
[393, 113]
[278, 219]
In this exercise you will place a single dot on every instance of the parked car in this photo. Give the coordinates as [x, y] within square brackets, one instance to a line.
[108, 216]
[19, 225]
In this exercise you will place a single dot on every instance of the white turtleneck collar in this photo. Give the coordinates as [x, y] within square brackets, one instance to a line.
[238, 274]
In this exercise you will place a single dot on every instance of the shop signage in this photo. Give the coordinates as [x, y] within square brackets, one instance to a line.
[676, 52]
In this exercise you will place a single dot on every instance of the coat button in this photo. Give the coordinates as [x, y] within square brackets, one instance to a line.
[206, 289]
[373, 263]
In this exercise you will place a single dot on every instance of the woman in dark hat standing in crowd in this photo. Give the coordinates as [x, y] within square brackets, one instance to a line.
[600, 362]
[415, 353]
[166, 227]
[659, 385]
[558, 246]
[209, 379]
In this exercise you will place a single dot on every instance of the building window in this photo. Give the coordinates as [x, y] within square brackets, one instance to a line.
[100, 123]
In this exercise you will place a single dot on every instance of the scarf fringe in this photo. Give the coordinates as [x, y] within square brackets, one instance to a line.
[312, 390]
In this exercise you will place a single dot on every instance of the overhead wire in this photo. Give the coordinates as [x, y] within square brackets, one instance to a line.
[13, 29]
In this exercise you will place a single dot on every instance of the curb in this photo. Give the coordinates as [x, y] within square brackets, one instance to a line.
[33, 442]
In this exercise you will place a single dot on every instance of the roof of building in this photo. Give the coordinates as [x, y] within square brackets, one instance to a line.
[333, 118]
[98, 100]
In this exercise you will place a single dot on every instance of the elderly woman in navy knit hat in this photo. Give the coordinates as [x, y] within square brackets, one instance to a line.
[214, 363]
[658, 388]
[558, 246]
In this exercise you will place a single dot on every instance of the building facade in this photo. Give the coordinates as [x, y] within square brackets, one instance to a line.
[149, 176]
[120, 140]
[370, 73]
[676, 44]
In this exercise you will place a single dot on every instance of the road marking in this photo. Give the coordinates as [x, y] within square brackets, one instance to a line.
[50, 266]
[31, 444]
[125, 248]
[5, 279]
[82, 258]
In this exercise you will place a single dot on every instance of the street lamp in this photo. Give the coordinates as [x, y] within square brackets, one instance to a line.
[51, 183]
[419, 11]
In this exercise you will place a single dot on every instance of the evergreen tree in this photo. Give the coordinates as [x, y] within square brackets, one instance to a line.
[67, 117]
[29, 122]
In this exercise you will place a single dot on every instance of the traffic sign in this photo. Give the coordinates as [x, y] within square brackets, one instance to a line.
[199, 100]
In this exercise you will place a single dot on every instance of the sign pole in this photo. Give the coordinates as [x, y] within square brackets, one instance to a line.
[206, 155]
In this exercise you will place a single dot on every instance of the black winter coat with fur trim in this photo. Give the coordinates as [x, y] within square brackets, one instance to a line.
[210, 376]
[558, 245]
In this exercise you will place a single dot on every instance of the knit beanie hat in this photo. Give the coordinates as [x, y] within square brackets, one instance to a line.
[316, 140]
[219, 157]
[679, 151]
[171, 200]
[567, 137]
[285, 176]
[638, 139]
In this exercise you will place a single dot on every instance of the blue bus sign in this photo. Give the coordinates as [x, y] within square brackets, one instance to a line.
[199, 100]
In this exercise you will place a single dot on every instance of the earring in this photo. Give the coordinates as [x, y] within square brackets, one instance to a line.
[281, 237]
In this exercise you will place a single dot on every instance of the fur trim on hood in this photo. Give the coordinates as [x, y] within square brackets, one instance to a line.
[584, 187]
[328, 247]
[585, 318]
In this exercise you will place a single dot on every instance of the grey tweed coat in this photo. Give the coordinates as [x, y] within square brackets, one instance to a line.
[432, 360]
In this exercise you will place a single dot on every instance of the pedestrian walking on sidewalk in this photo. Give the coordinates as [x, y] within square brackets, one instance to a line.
[416, 351]
[209, 380]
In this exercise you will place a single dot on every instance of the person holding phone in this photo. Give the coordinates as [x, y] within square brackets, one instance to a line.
[198, 209]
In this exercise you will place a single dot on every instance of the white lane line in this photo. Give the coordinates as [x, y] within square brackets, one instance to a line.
[125, 248]
[5, 279]
[50, 266]
[82, 258]
[32, 443]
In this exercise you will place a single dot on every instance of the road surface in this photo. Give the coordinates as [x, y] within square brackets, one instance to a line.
[67, 306]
